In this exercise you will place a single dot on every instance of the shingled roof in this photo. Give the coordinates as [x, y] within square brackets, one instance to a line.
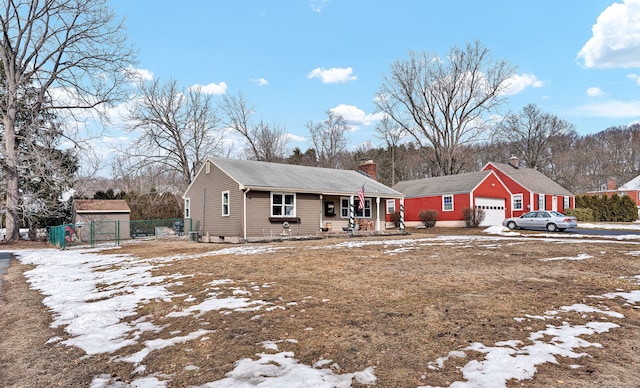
[101, 206]
[447, 184]
[302, 179]
[633, 184]
[532, 179]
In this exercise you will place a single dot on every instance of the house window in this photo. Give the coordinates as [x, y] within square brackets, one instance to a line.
[344, 207]
[187, 208]
[517, 202]
[391, 206]
[447, 203]
[283, 205]
[541, 202]
[566, 204]
[207, 167]
[359, 213]
[225, 203]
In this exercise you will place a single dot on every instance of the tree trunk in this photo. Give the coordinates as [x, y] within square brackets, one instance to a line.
[11, 176]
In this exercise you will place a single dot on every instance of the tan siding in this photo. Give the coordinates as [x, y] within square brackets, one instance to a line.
[205, 196]
[259, 211]
[308, 209]
[105, 226]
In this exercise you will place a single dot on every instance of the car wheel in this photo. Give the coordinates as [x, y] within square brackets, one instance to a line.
[552, 227]
[512, 225]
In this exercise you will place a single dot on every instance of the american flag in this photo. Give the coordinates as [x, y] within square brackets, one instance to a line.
[361, 197]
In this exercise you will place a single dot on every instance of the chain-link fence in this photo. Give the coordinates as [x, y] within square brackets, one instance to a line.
[113, 231]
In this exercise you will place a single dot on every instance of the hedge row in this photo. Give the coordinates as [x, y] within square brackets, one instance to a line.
[593, 208]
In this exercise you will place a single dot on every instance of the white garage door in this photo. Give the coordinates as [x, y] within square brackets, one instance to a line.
[493, 210]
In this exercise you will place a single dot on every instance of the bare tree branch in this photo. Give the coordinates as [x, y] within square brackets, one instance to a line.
[444, 105]
[264, 142]
[76, 46]
[178, 129]
[531, 132]
[329, 139]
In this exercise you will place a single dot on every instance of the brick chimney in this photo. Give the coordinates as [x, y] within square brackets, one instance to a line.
[612, 183]
[514, 162]
[368, 167]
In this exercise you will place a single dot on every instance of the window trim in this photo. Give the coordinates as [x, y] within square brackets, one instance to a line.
[391, 202]
[223, 195]
[514, 198]
[359, 213]
[444, 200]
[187, 208]
[566, 203]
[283, 205]
[542, 202]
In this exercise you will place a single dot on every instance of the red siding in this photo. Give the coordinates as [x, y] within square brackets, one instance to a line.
[515, 188]
[413, 207]
[528, 203]
[491, 187]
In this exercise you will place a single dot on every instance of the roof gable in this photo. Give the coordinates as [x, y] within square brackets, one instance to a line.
[279, 176]
[530, 179]
[101, 205]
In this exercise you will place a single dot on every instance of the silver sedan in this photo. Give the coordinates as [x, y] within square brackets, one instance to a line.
[542, 219]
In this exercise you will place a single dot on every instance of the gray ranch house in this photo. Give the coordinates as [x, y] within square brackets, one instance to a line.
[243, 200]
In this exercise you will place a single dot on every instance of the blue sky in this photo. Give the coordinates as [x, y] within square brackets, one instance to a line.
[296, 59]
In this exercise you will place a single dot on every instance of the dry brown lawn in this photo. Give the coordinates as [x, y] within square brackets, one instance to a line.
[397, 310]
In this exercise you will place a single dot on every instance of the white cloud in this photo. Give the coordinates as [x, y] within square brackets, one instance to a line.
[260, 81]
[318, 5]
[138, 75]
[616, 37]
[333, 76]
[518, 83]
[595, 92]
[356, 116]
[297, 138]
[635, 77]
[211, 88]
[611, 109]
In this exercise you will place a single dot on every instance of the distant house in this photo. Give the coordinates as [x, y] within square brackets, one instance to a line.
[449, 195]
[630, 189]
[530, 189]
[101, 219]
[501, 190]
[243, 200]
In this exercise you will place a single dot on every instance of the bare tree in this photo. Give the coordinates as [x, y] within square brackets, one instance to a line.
[444, 104]
[531, 131]
[264, 142]
[178, 129]
[391, 134]
[145, 179]
[271, 141]
[74, 48]
[329, 139]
